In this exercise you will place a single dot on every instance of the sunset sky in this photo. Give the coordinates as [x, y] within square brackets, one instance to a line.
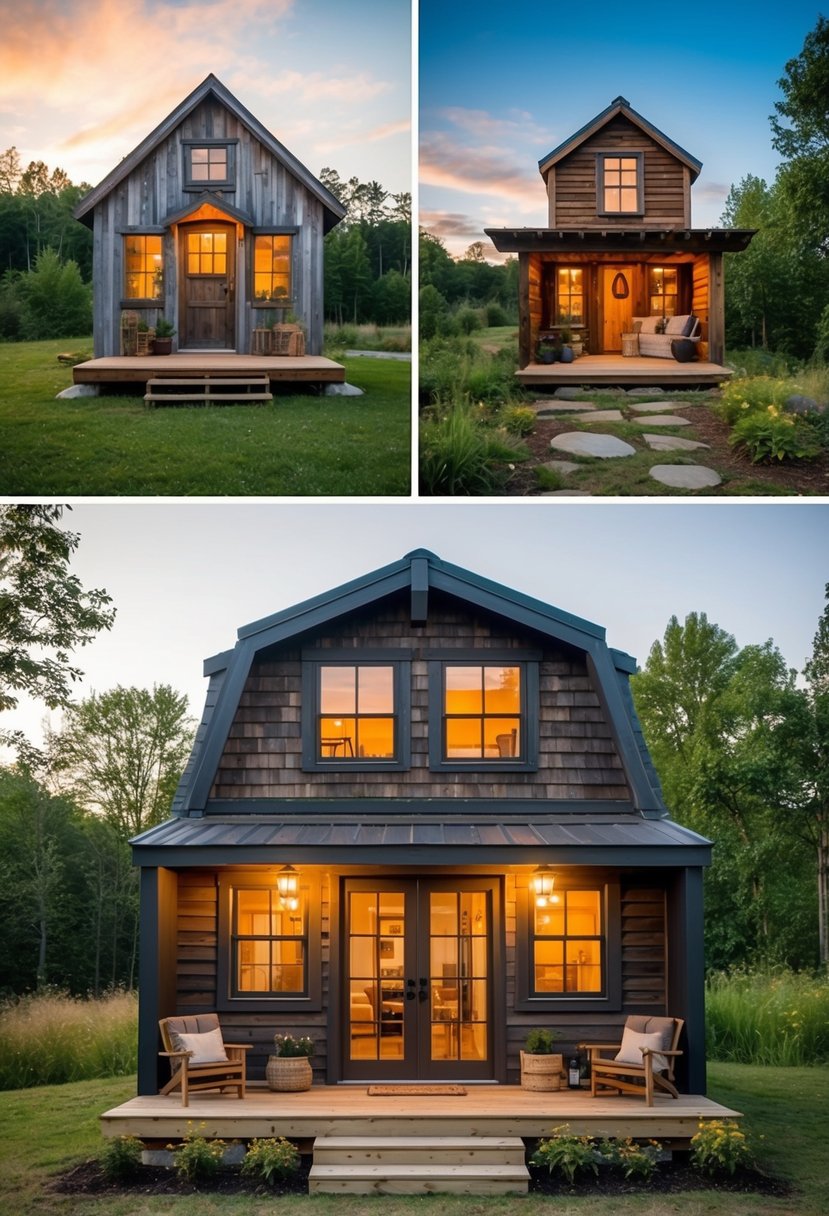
[501, 85]
[83, 81]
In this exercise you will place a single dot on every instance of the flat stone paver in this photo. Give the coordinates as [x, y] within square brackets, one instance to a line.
[582, 443]
[549, 409]
[673, 443]
[565, 393]
[566, 494]
[685, 476]
[664, 420]
[644, 392]
[642, 407]
[561, 466]
[600, 416]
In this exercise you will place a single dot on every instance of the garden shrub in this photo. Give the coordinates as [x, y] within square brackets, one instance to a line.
[634, 1160]
[121, 1158]
[433, 312]
[495, 316]
[564, 1153]
[518, 419]
[720, 1147]
[772, 434]
[271, 1161]
[741, 397]
[56, 301]
[197, 1159]
[460, 455]
[467, 320]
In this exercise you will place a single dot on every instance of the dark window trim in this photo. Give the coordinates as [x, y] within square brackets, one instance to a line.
[400, 660]
[140, 301]
[526, 999]
[528, 661]
[312, 1000]
[620, 154]
[226, 183]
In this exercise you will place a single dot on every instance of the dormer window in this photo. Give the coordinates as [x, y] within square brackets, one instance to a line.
[483, 714]
[355, 712]
[619, 183]
[210, 164]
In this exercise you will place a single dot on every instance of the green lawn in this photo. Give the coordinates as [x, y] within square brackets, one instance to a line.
[297, 445]
[45, 1131]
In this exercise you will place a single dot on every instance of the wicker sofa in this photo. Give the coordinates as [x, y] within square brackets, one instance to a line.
[654, 342]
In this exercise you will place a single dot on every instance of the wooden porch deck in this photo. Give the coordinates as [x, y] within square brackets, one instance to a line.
[631, 371]
[348, 1110]
[118, 369]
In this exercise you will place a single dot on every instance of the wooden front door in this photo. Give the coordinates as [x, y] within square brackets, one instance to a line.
[617, 307]
[418, 966]
[209, 286]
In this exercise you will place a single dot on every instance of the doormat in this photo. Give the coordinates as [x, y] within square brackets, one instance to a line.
[425, 1091]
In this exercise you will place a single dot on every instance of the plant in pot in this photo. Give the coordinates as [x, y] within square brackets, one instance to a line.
[289, 1068]
[541, 1066]
[164, 333]
[566, 338]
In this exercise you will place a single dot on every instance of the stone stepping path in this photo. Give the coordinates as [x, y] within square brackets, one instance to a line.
[549, 409]
[600, 416]
[583, 443]
[664, 420]
[673, 443]
[561, 466]
[685, 476]
[655, 407]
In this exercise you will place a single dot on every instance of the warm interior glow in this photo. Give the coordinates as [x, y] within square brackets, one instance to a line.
[570, 296]
[620, 180]
[270, 941]
[543, 883]
[272, 268]
[357, 712]
[207, 253]
[142, 267]
[482, 708]
[568, 943]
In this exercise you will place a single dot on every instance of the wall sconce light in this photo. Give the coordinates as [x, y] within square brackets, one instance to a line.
[287, 884]
[544, 880]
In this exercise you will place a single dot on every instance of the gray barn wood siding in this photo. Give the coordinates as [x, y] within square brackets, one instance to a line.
[577, 754]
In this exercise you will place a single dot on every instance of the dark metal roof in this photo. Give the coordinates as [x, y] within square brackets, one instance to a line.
[635, 240]
[574, 838]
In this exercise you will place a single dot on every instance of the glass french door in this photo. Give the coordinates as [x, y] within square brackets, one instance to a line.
[418, 988]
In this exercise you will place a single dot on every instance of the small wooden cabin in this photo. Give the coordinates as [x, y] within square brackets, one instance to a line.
[211, 223]
[619, 242]
[419, 819]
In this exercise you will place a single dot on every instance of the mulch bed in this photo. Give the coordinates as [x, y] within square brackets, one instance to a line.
[670, 1177]
[790, 477]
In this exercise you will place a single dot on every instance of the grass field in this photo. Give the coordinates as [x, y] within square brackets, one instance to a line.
[298, 445]
[45, 1131]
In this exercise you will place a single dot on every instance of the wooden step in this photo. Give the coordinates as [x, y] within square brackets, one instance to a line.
[208, 390]
[418, 1165]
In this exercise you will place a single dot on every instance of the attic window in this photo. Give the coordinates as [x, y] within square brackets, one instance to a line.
[209, 165]
[355, 714]
[483, 715]
[619, 182]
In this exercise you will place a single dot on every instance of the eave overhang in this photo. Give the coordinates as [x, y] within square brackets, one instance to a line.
[609, 240]
[212, 200]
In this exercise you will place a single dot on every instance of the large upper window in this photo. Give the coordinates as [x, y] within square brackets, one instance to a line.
[620, 184]
[269, 943]
[272, 268]
[355, 714]
[567, 944]
[142, 267]
[209, 164]
[483, 714]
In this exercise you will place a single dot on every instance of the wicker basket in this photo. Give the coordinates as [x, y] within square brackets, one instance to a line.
[288, 1074]
[144, 341]
[129, 332]
[630, 345]
[261, 342]
[541, 1072]
[288, 340]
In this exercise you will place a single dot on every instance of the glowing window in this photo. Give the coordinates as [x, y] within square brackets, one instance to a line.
[272, 268]
[356, 712]
[269, 943]
[142, 267]
[663, 288]
[482, 712]
[620, 186]
[569, 295]
[207, 253]
[568, 944]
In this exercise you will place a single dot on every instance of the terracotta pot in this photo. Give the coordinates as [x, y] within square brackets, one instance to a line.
[289, 1073]
[541, 1072]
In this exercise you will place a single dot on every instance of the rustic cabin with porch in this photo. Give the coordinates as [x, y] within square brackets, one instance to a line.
[419, 819]
[619, 261]
[214, 226]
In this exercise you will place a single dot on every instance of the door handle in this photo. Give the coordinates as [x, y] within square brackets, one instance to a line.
[423, 990]
[410, 990]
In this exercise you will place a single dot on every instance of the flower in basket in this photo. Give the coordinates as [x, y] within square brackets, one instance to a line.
[290, 1045]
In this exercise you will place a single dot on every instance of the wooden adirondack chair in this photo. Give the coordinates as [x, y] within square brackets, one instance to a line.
[212, 1074]
[655, 1072]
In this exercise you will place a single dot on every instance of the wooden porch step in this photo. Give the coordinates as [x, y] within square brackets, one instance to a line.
[418, 1165]
[208, 390]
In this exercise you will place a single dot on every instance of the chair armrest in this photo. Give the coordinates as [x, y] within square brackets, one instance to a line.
[175, 1055]
[605, 1046]
[240, 1046]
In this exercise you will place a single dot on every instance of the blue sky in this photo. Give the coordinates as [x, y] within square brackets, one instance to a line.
[185, 576]
[503, 84]
[83, 81]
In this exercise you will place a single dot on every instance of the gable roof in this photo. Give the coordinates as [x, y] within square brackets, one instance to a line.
[333, 211]
[419, 573]
[620, 105]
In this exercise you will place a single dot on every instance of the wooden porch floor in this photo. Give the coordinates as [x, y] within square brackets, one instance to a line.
[348, 1110]
[635, 370]
[118, 369]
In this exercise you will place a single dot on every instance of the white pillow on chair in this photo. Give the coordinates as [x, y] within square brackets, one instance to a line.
[631, 1050]
[207, 1048]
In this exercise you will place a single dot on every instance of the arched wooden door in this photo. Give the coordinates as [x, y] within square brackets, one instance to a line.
[208, 253]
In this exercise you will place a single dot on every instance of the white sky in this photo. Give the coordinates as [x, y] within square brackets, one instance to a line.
[184, 577]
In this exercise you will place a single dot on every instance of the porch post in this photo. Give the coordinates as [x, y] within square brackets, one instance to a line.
[686, 974]
[716, 309]
[524, 320]
[156, 971]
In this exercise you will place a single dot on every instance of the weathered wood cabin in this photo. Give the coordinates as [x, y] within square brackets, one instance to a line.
[419, 819]
[619, 243]
[211, 223]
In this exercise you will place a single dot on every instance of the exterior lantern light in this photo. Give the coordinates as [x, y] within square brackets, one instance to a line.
[544, 881]
[287, 884]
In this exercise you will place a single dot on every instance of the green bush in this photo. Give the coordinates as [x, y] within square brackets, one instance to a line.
[771, 1018]
[197, 1159]
[460, 455]
[433, 311]
[541, 1041]
[634, 1160]
[741, 397]
[271, 1161]
[518, 419]
[56, 301]
[495, 316]
[720, 1147]
[566, 1154]
[755, 361]
[772, 434]
[467, 320]
[121, 1158]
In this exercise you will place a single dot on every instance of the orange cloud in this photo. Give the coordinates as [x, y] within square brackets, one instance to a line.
[454, 166]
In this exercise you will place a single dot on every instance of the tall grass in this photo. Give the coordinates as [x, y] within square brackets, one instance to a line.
[50, 1038]
[776, 1017]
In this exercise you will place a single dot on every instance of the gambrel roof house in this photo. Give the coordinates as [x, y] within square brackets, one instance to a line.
[413, 749]
[213, 223]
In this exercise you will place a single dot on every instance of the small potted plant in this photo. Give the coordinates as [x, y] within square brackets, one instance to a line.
[164, 333]
[289, 1068]
[541, 1067]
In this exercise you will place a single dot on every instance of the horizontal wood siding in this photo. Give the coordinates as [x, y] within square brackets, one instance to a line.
[572, 182]
[263, 754]
[265, 190]
[644, 949]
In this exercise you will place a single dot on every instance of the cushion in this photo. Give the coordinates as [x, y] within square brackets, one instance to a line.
[649, 325]
[676, 326]
[646, 1024]
[690, 326]
[207, 1048]
[631, 1050]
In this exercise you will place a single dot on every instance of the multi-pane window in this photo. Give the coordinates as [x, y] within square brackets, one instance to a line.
[272, 268]
[356, 719]
[482, 712]
[209, 164]
[569, 295]
[568, 944]
[663, 289]
[142, 267]
[207, 253]
[620, 184]
[269, 943]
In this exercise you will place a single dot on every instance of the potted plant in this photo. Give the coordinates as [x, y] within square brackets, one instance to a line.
[163, 341]
[541, 1067]
[289, 1068]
